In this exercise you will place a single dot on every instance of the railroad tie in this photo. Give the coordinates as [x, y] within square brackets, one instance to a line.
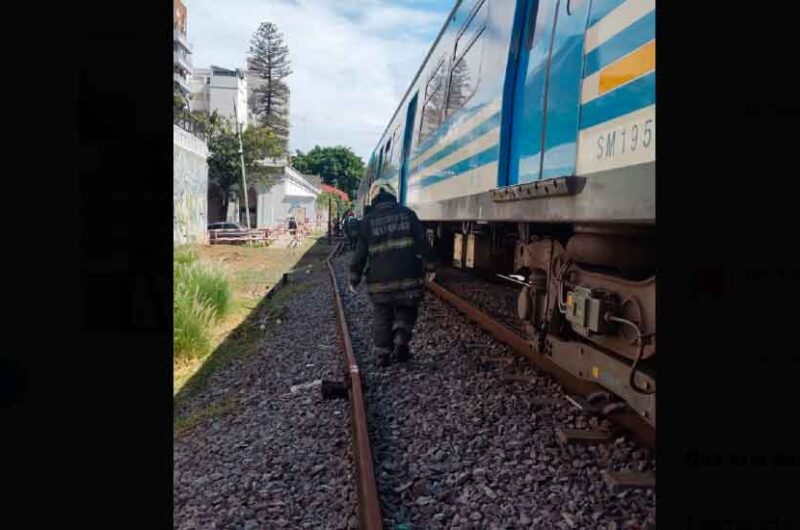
[619, 480]
[516, 378]
[499, 360]
[570, 436]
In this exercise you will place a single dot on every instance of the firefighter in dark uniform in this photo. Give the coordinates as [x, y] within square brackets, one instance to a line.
[391, 237]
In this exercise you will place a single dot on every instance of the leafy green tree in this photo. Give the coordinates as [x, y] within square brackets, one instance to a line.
[337, 204]
[224, 170]
[338, 166]
[260, 143]
[224, 163]
[207, 124]
[178, 101]
[179, 107]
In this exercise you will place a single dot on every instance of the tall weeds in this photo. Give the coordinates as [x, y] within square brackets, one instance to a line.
[201, 296]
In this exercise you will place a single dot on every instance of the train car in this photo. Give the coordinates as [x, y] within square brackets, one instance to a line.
[526, 145]
[363, 189]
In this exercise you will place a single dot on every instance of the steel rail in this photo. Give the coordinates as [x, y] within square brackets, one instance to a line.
[369, 506]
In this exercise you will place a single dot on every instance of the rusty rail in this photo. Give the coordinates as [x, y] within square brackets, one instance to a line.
[369, 507]
[638, 428]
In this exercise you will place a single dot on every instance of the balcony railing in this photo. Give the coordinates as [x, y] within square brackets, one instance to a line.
[180, 37]
[274, 162]
[182, 82]
[182, 59]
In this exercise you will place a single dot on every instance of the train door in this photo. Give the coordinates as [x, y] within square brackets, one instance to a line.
[408, 134]
[564, 92]
[526, 101]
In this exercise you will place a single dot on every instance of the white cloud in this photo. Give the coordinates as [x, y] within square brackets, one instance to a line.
[351, 60]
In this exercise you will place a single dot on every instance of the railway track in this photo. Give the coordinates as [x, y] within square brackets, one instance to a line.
[369, 510]
[469, 435]
[491, 305]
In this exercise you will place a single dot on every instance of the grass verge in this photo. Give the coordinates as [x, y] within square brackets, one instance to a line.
[202, 296]
[240, 343]
[251, 273]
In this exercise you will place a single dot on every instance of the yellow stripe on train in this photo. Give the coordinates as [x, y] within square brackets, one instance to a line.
[628, 68]
[624, 69]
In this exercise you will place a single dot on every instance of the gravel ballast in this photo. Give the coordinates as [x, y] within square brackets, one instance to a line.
[270, 458]
[457, 446]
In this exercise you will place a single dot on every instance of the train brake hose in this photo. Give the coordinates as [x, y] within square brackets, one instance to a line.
[639, 353]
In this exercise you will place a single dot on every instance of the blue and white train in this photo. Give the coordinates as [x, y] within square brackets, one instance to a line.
[526, 145]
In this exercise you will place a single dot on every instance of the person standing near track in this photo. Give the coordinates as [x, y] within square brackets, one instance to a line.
[351, 230]
[391, 237]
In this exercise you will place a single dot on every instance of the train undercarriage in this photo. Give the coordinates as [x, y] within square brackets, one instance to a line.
[587, 295]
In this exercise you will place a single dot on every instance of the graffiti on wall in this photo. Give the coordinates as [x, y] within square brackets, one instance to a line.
[190, 193]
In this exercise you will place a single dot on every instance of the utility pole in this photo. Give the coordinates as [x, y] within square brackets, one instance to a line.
[241, 159]
[336, 185]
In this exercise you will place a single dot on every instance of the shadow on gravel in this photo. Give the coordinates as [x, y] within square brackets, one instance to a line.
[244, 339]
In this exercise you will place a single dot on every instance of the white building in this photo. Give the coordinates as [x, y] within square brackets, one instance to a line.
[222, 90]
[293, 194]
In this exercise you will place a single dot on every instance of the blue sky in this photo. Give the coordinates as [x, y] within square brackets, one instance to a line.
[352, 60]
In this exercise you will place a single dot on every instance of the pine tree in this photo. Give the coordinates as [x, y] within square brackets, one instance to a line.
[268, 61]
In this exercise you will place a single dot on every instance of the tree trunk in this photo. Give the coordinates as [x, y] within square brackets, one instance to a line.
[225, 202]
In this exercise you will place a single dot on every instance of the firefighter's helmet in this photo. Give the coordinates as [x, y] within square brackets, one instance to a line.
[379, 186]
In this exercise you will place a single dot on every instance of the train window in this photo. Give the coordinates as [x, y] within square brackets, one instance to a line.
[471, 31]
[435, 80]
[464, 78]
[432, 113]
[395, 151]
[465, 75]
[387, 156]
[434, 102]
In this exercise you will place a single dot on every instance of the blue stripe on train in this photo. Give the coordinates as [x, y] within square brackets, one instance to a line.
[629, 39]
[623, 100]
[476, 132]
[445, 128]
[484, 157]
